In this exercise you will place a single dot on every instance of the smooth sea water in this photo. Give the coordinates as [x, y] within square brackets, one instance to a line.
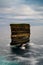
[33, 55]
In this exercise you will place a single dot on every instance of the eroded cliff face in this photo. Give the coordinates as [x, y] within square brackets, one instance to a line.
[20, 33]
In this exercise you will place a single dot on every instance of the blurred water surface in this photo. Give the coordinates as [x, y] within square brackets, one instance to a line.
[33, 55]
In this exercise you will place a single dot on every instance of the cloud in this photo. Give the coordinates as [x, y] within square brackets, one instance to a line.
[10, 3]
[6, 10]
[23, 10]
[19, 10]
[4, 3]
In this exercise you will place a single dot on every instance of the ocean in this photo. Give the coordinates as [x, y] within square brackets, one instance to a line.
[33, 55]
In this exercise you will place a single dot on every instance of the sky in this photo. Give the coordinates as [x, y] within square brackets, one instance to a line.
[21, 11]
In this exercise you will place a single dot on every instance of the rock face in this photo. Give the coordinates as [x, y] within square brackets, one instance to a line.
[20, 34]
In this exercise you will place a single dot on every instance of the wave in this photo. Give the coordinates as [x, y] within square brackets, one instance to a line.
[35, 45]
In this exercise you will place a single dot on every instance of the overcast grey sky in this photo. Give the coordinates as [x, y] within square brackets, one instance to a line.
[21, 11]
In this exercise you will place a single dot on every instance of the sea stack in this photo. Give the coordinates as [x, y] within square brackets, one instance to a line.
[20, 34]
